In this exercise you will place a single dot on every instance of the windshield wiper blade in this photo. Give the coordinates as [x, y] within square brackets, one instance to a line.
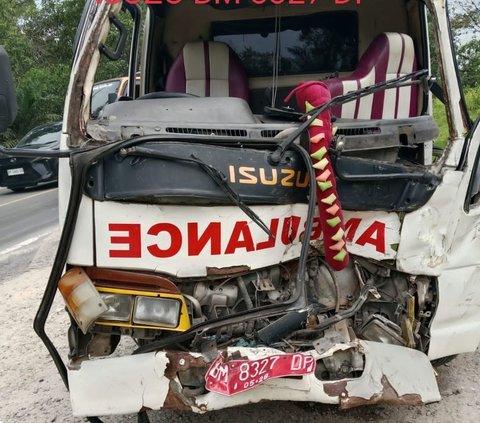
[216, 175]
[276, 156]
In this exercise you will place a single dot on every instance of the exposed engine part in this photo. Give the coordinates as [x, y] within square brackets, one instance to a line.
[348, 363]
[330, 288]
[343, 363]
[248, 303]
[402, 314]
[210, 295]
[282, 327]
[367, 300]
[378, 328]
[330, 321]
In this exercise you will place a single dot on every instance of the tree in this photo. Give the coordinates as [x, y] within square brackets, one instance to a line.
[466, 27]
[38, 35]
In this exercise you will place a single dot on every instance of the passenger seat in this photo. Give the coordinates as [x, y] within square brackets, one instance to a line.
[208, 69]
[389, 56]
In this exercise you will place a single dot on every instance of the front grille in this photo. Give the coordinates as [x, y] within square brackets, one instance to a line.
[223, 132]
[270, 133]
[359, 131]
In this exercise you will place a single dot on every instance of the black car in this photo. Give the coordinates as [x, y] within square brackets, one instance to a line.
[19, 173]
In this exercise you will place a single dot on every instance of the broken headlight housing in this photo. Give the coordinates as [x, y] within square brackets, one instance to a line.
[143, 309]
[119, 307]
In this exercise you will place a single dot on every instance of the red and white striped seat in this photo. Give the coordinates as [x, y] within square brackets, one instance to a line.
[389, 56]
[208, 69]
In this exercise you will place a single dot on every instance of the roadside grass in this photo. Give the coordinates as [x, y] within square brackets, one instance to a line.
[472, 97]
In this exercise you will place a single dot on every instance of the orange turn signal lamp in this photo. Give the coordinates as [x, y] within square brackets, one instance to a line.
[130, 308]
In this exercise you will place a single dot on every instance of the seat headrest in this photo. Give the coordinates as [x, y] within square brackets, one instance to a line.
[208, 69]
[389, 56]
[392, 51]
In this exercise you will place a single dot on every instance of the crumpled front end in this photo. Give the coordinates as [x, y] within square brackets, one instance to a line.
[151, 381]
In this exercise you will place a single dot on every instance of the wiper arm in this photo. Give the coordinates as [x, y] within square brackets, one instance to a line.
[276, 156]
[217, 176]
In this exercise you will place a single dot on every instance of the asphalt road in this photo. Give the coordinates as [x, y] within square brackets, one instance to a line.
[26, 216]
[25, 219]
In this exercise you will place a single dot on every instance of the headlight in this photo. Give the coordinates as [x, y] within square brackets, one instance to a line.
[157, 311]
[119, 307]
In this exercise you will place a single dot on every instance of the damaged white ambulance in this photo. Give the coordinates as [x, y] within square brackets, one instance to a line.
[323, 248]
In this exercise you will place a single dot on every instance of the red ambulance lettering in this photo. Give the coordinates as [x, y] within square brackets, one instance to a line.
[290, 229]
[212, 234]
[175, 240]
[132, 240]
[374, 235]
[165, 240]
[351, 227]
[270, 243]
[241, 238]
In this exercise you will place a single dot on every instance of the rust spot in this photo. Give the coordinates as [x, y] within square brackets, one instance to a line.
[77, 102]
[227, 271]
[182, 361]
[387, 396]
[335, 389]
[175, 400]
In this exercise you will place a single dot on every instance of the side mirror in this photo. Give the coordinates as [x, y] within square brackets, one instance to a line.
[8, 100]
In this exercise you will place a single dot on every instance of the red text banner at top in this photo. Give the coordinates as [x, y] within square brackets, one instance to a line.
[230, 2]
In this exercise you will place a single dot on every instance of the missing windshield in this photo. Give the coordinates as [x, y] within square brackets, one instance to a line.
[322, 42]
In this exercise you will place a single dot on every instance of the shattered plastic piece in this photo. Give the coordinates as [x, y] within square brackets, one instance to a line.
[334, 222]
[340, 256]
[329, 200]
[325, 185]
[319, 154]
[333, 210]
[334, 130]
[321, 165]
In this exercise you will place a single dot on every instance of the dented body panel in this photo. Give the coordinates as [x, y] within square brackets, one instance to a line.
[181, 240]
[392, 375]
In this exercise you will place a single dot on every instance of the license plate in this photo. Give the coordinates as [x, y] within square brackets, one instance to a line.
[235, 376]
[17, 171]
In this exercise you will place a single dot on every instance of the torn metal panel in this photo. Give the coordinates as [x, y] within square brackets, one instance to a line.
[392, 374]
[427, 233]
[441, 239]
[119, 385]
[387, 396]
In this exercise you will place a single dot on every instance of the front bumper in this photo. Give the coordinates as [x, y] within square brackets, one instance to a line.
[124, 385]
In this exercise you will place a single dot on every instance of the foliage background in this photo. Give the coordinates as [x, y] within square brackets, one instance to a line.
[38, 35]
